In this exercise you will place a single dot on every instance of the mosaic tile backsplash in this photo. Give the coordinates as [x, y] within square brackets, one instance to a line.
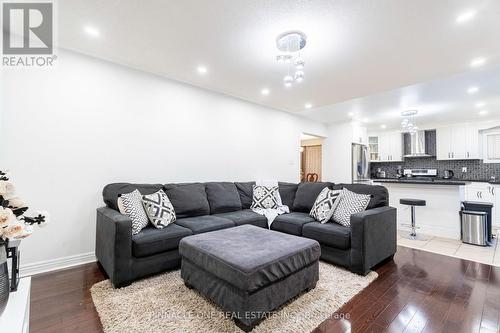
[476, 169]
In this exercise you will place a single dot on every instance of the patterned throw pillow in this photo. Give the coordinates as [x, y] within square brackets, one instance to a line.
[265, 197]
[159, 209]
[325, 205]
[130, 204]
[349, 203]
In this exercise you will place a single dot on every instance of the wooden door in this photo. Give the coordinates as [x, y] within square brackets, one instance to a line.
[311, 160]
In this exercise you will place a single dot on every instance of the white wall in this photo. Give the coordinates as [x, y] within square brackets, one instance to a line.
[338, 150]
[74, 128]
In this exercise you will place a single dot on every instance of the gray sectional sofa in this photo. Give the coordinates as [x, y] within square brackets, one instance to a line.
[204, 207]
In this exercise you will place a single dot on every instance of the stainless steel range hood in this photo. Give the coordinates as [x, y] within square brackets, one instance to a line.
[417, 144]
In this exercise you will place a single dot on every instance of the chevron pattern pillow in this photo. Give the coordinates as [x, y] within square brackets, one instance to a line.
[265, 197]
[325, 205]
[159, 209]
[130, 204]
[350, 203]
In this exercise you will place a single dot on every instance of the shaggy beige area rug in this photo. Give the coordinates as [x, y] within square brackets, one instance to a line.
[163, 304]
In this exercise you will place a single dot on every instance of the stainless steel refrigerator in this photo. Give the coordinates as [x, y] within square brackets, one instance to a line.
[360, 164]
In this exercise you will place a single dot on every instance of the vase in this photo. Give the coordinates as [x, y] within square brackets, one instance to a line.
[4, 277]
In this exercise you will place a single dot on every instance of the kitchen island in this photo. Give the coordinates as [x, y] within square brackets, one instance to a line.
[440, 217]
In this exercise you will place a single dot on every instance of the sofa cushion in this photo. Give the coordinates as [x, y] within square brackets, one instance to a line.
[223, 197]
[205, 223]
[330, 234]
[325, 205]
[189, 199]
[130, 204]
[380, 195]
[265, 197]
[246, 216]
[152, 241]
[291, 223]
[111, 192]
[245, 191]
[350, 203]
[287, 193]
[306, 195]
[159, 209]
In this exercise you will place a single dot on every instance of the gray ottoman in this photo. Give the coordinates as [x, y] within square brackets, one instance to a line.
[248, 270]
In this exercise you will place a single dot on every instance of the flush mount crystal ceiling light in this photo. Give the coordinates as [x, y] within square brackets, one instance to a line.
[290, 44]
[408, 123]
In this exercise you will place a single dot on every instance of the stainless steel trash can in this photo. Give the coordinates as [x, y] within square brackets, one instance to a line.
[474, 227]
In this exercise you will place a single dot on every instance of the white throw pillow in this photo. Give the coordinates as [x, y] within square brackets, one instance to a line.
[349, 203]
[325, 205]
[159, 209]
[130, 204]
[265, 197]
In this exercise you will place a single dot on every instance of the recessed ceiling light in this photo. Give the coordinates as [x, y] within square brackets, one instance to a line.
[202, 70]
[383, 126]
[308, 105]
[472, 90]
[265, 91]
[466, 16]
[91, 31]
[477, 62]
[351, 114]
[479, 104]
[482, 112]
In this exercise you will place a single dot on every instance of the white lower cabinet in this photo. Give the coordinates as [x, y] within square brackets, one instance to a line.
[488, 193]
[496, 203]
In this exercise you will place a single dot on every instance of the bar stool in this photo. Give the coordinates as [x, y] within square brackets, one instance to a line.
[413, 203]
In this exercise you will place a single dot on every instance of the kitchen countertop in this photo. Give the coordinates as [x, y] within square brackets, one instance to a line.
[456, 182]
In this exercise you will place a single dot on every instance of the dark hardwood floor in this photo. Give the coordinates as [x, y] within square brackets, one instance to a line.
[417, 292]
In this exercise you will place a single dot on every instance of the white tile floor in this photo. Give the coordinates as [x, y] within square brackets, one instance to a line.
[455, 248]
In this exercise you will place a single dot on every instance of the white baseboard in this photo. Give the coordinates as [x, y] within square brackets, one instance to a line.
[55, 264]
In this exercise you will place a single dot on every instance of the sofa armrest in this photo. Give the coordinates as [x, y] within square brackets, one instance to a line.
[114, 244]
[373, 237]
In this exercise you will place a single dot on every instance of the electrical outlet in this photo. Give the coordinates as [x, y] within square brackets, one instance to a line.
[464, 169]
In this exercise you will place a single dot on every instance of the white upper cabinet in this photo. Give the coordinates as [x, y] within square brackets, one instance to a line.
[457, 142]
[389, 147]
[472, 142]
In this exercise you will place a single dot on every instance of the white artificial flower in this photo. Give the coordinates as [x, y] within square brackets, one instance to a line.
[13, 230]
[27, 231]
[6, 217]
[16, 202]
[6, 188]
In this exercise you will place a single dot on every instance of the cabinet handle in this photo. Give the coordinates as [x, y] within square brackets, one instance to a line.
[467, 154]
[477, 194]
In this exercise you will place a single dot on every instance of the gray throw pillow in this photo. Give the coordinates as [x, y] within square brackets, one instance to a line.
[265, 197]
[130, 204]
[159, 209]
[325, 205]
[349, 203]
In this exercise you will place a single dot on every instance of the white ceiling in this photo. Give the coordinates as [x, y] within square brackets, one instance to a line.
[355, 47]
[438, 101]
